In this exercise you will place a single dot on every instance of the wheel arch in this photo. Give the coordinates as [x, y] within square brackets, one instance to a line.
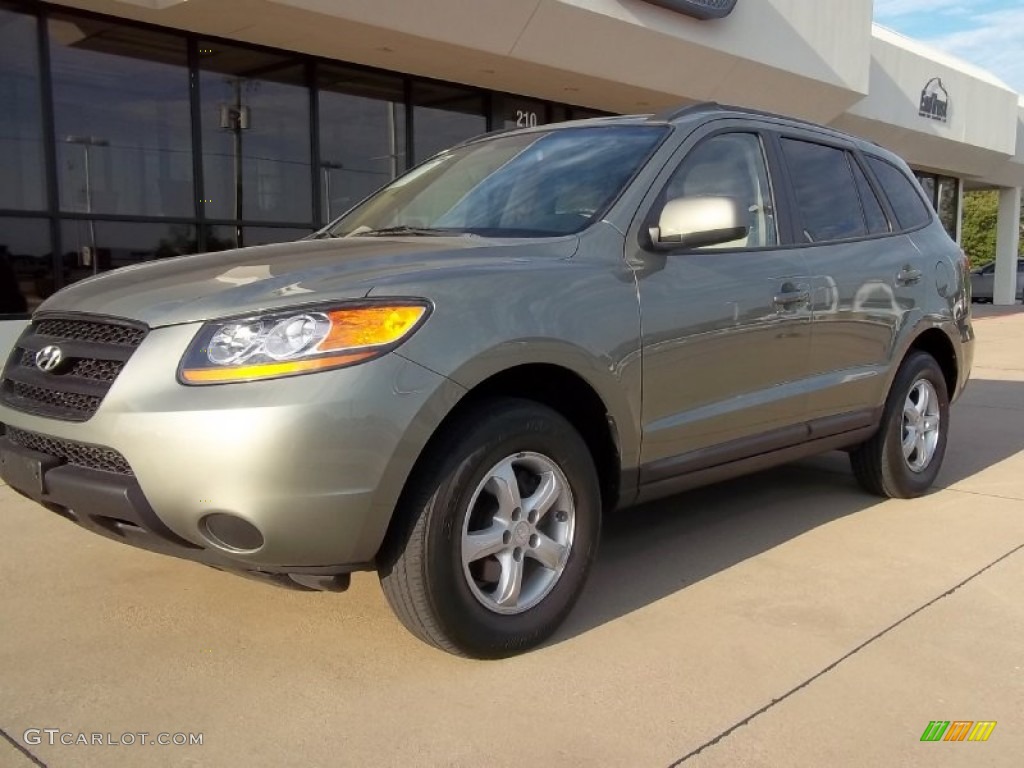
[556, 386]
[937, 343]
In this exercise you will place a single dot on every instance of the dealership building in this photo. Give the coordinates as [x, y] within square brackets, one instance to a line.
[132, 130]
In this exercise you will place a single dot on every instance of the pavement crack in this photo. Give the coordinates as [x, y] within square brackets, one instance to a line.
[983, 495]
[17, 745]
[878, 635]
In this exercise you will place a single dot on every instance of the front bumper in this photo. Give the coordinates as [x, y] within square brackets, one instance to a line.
[113, 505]
[315, 463]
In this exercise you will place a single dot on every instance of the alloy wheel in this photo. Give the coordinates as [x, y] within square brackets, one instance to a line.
[518, 533]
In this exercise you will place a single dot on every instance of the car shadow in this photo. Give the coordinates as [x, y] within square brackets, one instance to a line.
[655, 550]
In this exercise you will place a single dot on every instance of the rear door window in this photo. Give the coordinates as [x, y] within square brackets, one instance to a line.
[828, 203]
[910, 209]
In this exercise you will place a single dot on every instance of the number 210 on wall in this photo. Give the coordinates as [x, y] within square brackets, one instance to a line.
[525, 118]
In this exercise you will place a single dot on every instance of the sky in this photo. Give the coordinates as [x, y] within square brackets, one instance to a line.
[988, 33]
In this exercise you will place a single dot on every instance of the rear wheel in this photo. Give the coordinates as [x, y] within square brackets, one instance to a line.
[501, 526]
[904, 457]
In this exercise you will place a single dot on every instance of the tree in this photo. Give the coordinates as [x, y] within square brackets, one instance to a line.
[981, 215]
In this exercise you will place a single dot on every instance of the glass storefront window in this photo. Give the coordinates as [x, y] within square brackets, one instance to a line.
[126, 106]
[21, 146]
[362, 135]
[266, 235]
[26, 265]
[119, 244]
[220, 238]
[256, 135]
[122, 118]
[444, 115]
[948, 201]
[943, 192]
[559, 113]
[523, 113]
[927, 182]
[582, 113]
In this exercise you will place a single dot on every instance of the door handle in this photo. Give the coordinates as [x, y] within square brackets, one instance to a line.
[791, 295]
[908, 276]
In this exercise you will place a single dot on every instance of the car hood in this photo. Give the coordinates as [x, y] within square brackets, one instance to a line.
[212, 285]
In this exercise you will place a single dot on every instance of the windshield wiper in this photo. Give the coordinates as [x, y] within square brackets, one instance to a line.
[405, 230]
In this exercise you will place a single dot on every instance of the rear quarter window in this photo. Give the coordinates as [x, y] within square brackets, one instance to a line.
[910, 209]
[877, 222]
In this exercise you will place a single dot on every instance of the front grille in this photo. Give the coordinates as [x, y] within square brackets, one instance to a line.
[101, 370]
[99, 332]
[93, 352]
[52, 398]
[78, 454]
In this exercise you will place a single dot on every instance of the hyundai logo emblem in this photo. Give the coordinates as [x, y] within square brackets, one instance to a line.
[48, 358]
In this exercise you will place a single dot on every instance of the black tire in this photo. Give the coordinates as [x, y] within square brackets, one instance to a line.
[879, 464]
[421, 569]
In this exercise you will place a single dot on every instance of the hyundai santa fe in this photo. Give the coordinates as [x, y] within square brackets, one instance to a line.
[454, 382]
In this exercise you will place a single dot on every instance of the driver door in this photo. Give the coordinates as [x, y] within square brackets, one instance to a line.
[726, 328]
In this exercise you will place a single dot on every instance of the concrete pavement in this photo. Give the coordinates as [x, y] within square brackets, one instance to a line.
[784, 619]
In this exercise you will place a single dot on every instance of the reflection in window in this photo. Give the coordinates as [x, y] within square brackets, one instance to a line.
[121, 108]
[362, 135]
[26, 264]
[21, 148]
[514, 185]
[444, 116]
[256, 138]
[119, 244]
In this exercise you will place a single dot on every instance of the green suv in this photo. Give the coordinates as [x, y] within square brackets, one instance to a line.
[455, 381]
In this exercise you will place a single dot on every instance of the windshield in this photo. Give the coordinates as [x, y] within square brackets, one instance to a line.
[521, 185]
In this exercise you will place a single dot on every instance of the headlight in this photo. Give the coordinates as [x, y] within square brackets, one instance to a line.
[298, 341]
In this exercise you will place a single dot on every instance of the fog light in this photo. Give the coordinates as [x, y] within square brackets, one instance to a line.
[231, 532]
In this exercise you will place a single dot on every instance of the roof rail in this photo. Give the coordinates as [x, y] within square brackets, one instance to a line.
[675, 113]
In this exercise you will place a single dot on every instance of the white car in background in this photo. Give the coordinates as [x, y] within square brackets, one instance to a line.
[983, 281]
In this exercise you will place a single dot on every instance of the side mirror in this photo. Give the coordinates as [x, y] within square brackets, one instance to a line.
[693, 222]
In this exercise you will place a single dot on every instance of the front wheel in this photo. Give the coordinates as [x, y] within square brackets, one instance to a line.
[501, 526]
[904, 457]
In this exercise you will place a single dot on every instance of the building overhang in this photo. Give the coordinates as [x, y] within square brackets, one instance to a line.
[807, 60]
[939, 113]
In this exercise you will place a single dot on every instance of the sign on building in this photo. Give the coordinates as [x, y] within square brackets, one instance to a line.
[935, 101]
[699, 9]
